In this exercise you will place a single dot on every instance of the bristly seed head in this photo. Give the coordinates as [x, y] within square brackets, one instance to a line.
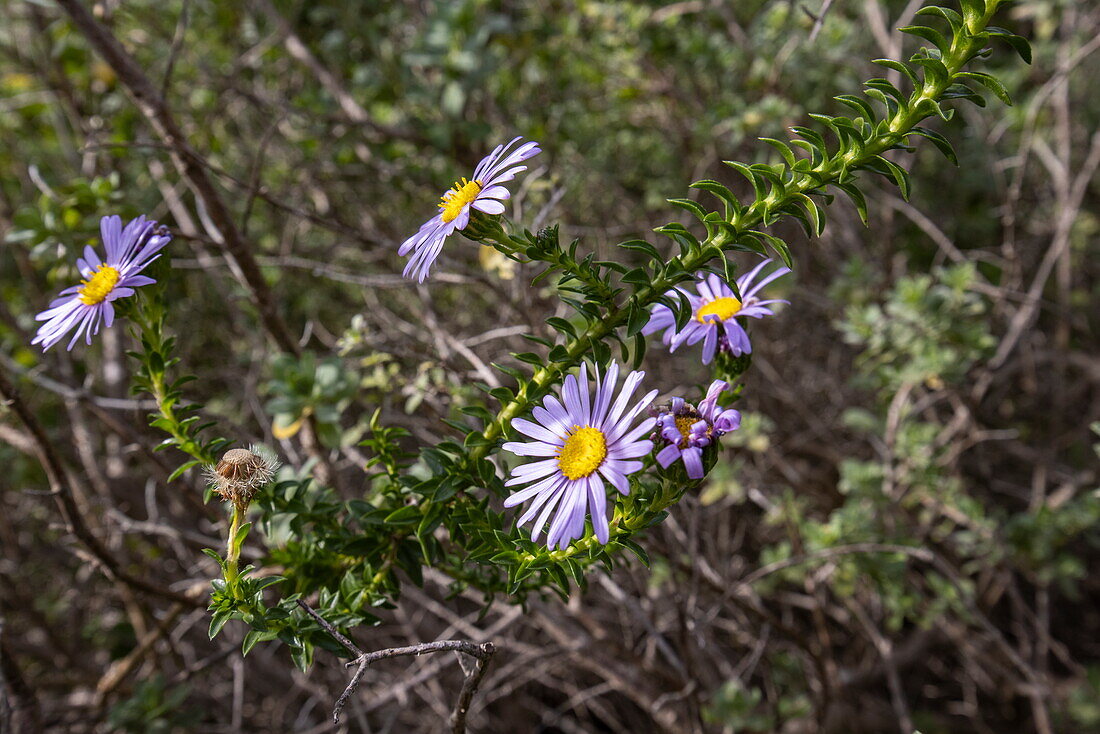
[242, 473]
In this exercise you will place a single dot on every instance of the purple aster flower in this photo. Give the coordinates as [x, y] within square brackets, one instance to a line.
[688, 430]
[483, 193]
[84, 307]
[716, 310]
[585, 442]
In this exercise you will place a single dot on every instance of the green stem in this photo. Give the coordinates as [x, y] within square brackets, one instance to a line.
[233, 553]
[155, 362]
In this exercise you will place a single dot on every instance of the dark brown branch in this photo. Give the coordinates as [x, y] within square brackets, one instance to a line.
[352, 110]
[62, 492]
[152, 105]
[19, 711]
[191, 166]
[482, 655]
[469, 686]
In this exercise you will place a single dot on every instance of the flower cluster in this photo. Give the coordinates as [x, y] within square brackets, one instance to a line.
[583, 439]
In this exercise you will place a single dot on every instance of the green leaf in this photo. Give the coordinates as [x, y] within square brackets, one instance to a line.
[776, 244]
[639, 350]
[857, 198]
[562, 326]
[961, 91]
[784, 150]
[989, 82]
[731, 202]
[941, 143]
[217, 621]
[953, 18]
[638, 277]
[636, 550]
[684, 313]
[857, 104]
[643, 246]
[1019, 43]
[242, 533]
[813, 211]
[182, 468]
[973, 11]
[403, 516]
[899, 174]
[636, 319]
[254, 636]
[754, 178]
[929, 34]
[692, 206]
[899, 66]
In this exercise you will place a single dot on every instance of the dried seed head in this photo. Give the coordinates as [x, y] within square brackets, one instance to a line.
[241, 473]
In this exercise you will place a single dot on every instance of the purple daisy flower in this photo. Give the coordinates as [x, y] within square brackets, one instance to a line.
[586, 442]
[483, 193]
[716, 310]
[687, 430]
[84, 307]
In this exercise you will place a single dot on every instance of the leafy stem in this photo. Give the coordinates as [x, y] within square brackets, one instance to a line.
[781, 190]
[155, 359]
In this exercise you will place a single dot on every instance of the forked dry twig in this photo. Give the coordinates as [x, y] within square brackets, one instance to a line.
[482, 654]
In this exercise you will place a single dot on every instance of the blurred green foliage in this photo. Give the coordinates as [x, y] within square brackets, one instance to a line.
[632, 101]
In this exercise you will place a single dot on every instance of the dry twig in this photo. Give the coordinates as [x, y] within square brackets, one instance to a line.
[482, 654]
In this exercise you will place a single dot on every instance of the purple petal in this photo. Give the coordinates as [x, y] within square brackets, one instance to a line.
[494, 192]
[777, 273]
[630, 384]
[617, 478]
[533, 448]
[110, 232]
[693, 462]
[597, 497]
[745, 281]
[728, 420]
[631, 450]
[710, 345]
[627, 420]
[535, 431]
[489, 206]
[534, 470]
[546, 502]
[605, 389]
[667, 455]
[547, 484]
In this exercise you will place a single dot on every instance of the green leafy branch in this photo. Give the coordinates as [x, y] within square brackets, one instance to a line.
[936, 74]
[175, 417]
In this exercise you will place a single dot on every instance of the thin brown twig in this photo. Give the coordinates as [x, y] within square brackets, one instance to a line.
[482, 655]
[19, 707]
[189, 163]
[62, 492]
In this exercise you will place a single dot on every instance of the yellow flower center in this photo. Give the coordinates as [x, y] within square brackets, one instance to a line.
[684, 424]
[459, 195]
[100, 285]
[723, 308]
[583, 452]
